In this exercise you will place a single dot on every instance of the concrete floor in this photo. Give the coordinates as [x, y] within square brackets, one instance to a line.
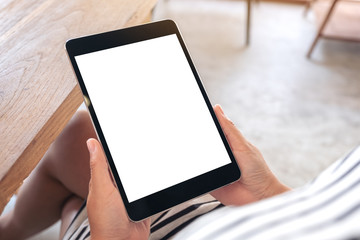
[302, 114]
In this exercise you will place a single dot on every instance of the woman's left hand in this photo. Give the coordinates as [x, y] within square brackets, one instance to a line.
[106, 212]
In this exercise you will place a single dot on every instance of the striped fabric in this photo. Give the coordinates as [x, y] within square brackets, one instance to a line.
[163, 225]
[326, 208]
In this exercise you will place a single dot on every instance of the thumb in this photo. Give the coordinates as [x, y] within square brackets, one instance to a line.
[100, 176]
[105, 209]
[233, 135]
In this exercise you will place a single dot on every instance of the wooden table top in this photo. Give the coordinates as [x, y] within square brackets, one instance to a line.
[38, 90]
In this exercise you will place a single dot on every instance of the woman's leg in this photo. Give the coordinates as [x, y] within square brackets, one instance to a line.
[60, 177]
[69, 212]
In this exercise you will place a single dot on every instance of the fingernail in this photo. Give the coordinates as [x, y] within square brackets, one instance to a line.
[91, 145]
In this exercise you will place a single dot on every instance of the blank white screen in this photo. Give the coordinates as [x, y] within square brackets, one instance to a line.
[153, 116]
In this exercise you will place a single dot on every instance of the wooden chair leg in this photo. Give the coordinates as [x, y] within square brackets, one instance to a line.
[248, 22]
[323, 24]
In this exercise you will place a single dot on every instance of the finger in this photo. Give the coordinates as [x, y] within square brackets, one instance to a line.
[102, 190]
[98, 166]
[233, 135]
[221, 115]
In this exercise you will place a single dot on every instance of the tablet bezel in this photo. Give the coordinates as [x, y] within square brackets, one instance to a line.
[179, 193]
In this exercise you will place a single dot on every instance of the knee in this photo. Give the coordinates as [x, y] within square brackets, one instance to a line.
[79, 129]
[80, 123]
[69, 149]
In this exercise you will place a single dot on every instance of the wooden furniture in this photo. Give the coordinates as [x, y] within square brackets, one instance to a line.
[336, 19]
[38, 90]
[248, 22]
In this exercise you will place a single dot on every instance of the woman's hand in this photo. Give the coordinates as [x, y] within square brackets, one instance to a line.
[106, 212]
[257, 181]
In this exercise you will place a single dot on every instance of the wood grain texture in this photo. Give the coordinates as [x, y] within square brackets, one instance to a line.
[38, 91]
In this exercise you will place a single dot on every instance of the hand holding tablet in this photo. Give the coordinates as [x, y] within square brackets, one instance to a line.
[156, 125]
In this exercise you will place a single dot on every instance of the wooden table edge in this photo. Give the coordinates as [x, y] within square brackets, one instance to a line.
[10, 182]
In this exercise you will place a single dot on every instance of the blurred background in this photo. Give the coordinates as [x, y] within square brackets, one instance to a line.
[301, 109]
[302, 113]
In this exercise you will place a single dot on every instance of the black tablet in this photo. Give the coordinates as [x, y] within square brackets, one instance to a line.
[153, 118]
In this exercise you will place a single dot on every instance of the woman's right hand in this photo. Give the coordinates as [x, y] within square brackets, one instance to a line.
[257, 181]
